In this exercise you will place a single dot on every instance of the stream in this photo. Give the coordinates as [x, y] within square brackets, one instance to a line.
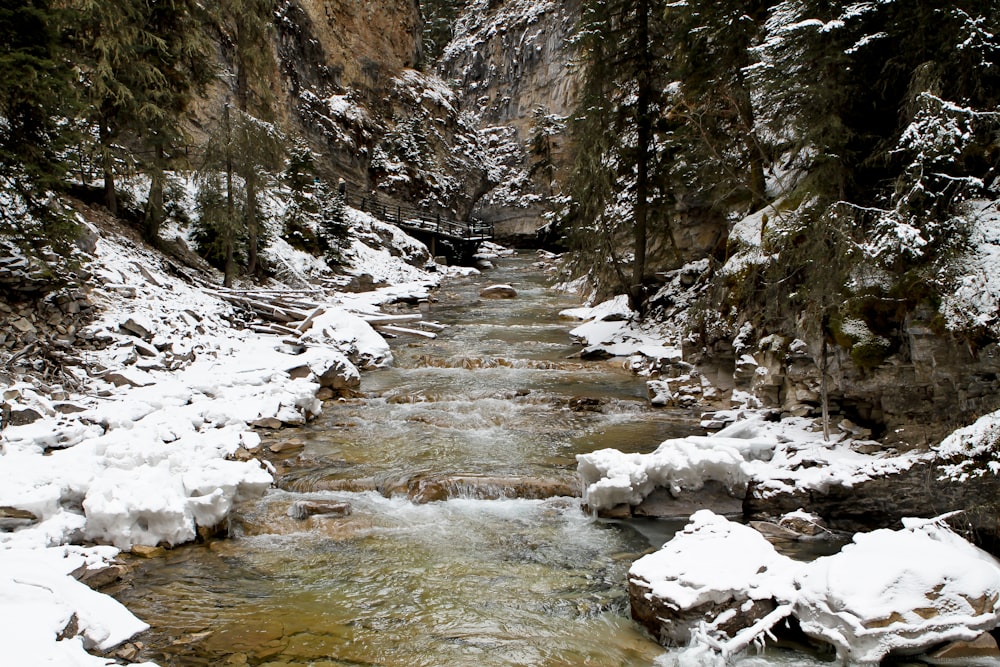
[462, 546]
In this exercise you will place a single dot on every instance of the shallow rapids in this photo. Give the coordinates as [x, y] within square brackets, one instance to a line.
[464, 544]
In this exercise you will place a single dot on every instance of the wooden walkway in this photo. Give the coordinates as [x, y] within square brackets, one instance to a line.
[433, 224]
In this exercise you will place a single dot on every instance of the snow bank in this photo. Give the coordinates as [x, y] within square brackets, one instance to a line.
[889, 591]
[39, 599]
[144, 454]
[778, 456]
[609, 329]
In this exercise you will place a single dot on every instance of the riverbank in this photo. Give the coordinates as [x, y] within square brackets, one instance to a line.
[153, 434]
[144, 434]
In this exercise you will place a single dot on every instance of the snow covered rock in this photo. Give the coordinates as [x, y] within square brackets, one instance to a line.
[713, 579]
[900, 591]
[498, 292]
[721, 586]
[612, 478]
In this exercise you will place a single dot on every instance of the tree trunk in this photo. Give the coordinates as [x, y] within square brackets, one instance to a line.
[229, 228]
[644, 124]
[154, 203]
[251, 220]
[108, 166]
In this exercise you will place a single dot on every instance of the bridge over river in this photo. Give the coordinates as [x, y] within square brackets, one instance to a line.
[458, 240]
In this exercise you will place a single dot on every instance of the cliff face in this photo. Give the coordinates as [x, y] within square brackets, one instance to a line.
[511, 63]
[346, 77]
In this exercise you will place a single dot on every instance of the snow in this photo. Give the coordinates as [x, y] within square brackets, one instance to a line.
[899, 591]
[39, 597]
[697, 566]
[975, 302]
[779, 456]
[609, 328]
[147, 456]
[889, 591]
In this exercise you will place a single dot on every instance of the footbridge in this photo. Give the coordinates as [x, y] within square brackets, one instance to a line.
[458, 240]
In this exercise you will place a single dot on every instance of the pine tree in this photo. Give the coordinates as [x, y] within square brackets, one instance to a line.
[240, 144]
[35, 92]
[110, 40]
[180, 62]
[612, 187]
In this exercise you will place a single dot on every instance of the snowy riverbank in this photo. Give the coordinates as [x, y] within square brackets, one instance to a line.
[154, 442]
[719, 587]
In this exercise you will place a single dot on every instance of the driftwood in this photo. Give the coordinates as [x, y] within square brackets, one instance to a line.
[412, 332]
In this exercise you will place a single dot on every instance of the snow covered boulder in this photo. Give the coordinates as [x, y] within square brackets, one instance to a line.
[680, 466]
[713, 580]
[899, 592]
[498, 292]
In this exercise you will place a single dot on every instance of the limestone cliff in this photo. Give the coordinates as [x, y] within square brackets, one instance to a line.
[512, 64]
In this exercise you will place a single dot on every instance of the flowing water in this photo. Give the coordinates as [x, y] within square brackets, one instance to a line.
[463, 545]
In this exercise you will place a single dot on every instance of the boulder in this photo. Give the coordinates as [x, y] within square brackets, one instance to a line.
[303, 509]
[498, 292]
[341, 377]
[715, 576]
[899, 592]
[12, 518]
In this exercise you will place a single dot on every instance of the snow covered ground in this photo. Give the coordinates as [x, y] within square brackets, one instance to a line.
[888, 592]
[144, 450]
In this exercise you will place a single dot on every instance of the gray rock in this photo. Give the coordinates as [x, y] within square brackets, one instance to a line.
[498, 292]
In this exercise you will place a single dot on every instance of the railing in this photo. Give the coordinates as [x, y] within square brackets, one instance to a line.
[409, 217]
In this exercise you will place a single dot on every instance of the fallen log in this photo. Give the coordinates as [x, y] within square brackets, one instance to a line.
[412, 332]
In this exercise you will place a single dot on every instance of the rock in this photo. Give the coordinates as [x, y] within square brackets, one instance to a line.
[983, 646]
[98, 577]
[68, 408]
[128, 377]
[802, 523]
[898, 592]
[22, 416]
[714, 573]
[285, 446]
[498, 292]
[143, 551]
[303, 509]
[24, 325]
[774, 532]
[342, 378]
[659, 392]
[300, 372]
[585, 404]
[325, 394]
[267, 422]
[713, 495]
[12, 518]
[133, 327]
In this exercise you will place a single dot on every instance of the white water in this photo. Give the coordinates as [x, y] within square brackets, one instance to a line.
[462, 581]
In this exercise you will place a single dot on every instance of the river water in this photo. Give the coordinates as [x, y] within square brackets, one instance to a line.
[441, 561]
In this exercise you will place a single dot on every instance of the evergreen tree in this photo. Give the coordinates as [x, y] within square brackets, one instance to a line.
[439, 18]
[35, 93]
[612, 190]
[712, 117]
[180, 65]
[110, 40]
[239, 145]
[247, 27]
